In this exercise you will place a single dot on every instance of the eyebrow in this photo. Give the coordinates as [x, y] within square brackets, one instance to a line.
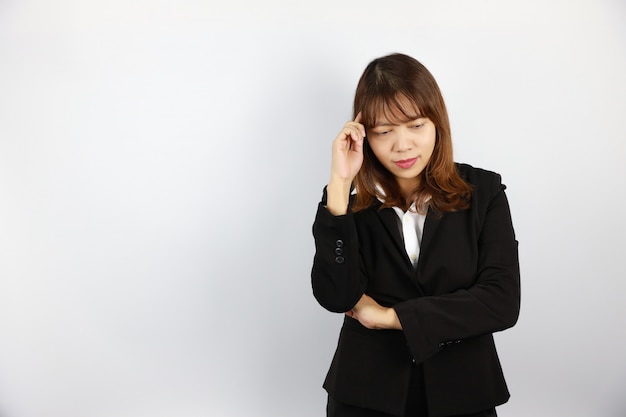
[411, 119]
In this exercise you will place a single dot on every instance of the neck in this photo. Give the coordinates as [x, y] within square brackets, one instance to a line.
[407, 186]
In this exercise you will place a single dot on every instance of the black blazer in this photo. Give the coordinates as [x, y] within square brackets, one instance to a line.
[464, 288]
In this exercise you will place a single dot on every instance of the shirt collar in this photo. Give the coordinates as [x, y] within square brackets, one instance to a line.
[398, 210]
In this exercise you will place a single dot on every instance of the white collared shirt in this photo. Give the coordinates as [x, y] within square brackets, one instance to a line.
[412, 230]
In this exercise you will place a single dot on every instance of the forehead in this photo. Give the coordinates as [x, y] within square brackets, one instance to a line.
[393, 110]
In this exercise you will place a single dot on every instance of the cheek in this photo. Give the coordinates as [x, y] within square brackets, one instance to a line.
[431, 141]
[378, 150]
[428, 147]
[431, 145]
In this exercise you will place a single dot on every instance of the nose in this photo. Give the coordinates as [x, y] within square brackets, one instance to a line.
[403, 142]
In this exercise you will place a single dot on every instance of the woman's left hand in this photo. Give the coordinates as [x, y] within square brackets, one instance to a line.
[374, 316]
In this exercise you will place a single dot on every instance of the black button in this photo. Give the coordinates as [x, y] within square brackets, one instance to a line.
[339, 243]
[338, 251]
[339, 259]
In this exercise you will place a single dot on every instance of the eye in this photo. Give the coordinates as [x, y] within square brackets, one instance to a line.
[381, 132]
[417, 126]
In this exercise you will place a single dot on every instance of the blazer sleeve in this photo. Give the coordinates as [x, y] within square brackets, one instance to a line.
[337, 276]
[491, 304]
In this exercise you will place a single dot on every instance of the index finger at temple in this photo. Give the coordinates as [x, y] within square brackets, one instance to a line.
[357, 120]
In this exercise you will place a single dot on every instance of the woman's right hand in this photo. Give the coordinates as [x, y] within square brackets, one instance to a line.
[347, 158]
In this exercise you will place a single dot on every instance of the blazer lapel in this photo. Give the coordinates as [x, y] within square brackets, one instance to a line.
[430, 226]
[389, 219]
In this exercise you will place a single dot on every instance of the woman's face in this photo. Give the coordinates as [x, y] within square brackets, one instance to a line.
[403, 148]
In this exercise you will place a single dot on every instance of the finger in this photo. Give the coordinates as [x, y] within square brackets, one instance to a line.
[343, 139]
[359, 127]
[353, 132]
[358, 133]
[357, 121]
[357, 145]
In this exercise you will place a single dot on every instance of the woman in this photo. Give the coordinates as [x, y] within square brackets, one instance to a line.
[418, 252]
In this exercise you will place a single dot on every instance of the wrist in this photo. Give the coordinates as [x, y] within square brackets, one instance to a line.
[338, 196]
[392, 321]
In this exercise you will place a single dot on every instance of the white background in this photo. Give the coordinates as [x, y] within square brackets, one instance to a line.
[161, 162]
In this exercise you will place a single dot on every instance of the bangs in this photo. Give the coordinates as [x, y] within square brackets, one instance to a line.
[394, 108]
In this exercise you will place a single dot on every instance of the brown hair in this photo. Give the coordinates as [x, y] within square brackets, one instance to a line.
[385, 86]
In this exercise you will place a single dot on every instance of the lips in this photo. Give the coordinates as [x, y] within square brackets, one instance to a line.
[406, 163]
